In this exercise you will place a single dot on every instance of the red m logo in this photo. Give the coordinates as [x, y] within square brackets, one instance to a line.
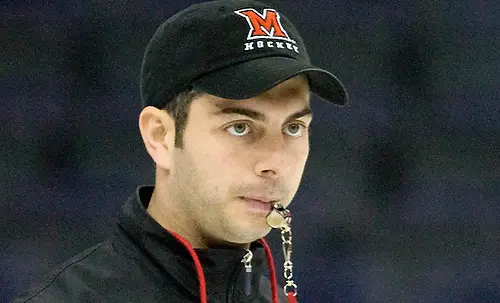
[266, 25]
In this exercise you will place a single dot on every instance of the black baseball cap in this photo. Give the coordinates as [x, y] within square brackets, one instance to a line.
[231, 49]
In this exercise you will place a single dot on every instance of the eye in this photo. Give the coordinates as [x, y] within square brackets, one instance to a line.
[238, 129]
[294, 129]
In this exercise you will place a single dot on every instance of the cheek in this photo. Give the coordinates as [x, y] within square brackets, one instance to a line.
[216, 159]
[301, 148]
[303, 155]
[224, 149]
[298, 159]
[299, 152]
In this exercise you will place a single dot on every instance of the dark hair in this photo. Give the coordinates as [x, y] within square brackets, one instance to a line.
[178, 108]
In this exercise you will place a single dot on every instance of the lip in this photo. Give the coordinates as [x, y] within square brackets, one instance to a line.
[261, 199]
[258, 204]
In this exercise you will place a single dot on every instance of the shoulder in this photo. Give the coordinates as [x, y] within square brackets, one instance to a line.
[102, 273]
[69, 275]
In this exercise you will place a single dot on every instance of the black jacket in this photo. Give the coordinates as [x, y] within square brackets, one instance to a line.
[142, 262]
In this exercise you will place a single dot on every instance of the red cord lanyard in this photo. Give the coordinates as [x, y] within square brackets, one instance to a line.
[291, 297]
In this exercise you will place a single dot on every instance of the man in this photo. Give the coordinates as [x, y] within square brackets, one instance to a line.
[225, 88]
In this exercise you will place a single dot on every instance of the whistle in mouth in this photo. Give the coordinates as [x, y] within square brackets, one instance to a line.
[279, 217]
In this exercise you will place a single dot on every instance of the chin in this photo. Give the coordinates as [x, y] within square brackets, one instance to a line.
[252, 232]
[244, 227]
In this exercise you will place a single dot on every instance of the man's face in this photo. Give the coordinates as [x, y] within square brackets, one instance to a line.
[239, 157]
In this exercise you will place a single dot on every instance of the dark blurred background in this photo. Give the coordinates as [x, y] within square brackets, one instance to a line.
[399, 201]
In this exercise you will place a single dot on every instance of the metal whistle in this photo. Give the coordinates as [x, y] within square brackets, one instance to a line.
[279, 217]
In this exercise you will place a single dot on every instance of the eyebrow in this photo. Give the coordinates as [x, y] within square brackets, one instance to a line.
[260, 116]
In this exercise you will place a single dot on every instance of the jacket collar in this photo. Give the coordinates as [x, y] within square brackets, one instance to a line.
[219, 265]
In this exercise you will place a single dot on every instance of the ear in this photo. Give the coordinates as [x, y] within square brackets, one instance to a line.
[157, 129]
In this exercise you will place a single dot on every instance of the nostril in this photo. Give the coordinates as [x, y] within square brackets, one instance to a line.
[268, 172]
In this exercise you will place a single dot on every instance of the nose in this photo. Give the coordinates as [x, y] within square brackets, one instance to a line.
[272, 158]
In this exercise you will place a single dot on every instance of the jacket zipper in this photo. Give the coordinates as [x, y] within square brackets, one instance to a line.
[247, 279]
[247, 261]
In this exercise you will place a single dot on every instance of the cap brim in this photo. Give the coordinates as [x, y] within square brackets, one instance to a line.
[251, 78]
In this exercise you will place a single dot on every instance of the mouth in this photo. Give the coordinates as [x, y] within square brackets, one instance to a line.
[259, 204]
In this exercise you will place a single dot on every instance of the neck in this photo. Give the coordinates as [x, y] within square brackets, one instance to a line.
[171, 218]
